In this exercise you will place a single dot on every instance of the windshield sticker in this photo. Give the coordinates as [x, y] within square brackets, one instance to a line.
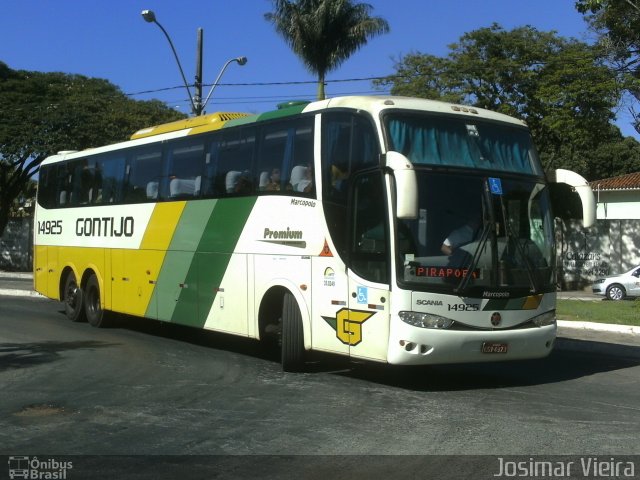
[495, 185]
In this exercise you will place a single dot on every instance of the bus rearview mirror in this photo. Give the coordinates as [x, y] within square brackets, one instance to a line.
[582, 188]
[406, 185]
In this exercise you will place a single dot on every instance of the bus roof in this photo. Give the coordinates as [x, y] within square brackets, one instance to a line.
[215, 121]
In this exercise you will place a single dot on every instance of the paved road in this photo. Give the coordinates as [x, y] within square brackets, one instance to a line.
[145, 388]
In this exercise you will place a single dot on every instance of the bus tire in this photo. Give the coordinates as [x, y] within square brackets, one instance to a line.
[292, 336]
[73, 298]
[96, 316]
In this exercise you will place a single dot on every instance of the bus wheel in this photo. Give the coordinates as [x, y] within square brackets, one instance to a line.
[73, 298]
[95, 314]
[292, 336]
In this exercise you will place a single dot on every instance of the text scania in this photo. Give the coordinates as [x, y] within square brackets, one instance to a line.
[287, 234]
[105, 227]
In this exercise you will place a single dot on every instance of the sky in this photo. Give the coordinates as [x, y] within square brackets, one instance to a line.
[109, 39]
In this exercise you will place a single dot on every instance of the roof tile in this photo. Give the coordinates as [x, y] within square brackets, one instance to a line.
[630, 181]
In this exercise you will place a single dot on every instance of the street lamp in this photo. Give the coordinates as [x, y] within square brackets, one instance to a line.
[197, 106]
[240, 60]
[150, 17]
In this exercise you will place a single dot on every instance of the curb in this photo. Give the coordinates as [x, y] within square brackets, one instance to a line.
[19, 293]
[600, 327]
[17, 275]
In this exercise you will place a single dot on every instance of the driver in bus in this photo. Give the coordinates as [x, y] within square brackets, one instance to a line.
[461, 236]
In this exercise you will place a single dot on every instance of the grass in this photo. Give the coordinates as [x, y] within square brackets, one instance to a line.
[625, 312]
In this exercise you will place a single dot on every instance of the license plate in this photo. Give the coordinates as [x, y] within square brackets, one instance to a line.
[495, 347]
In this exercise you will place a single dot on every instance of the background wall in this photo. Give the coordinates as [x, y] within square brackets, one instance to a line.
[16, 245]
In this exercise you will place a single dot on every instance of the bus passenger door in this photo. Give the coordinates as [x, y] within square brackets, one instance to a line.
[368, 255]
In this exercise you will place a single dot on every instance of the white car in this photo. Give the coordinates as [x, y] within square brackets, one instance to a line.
[617, 287]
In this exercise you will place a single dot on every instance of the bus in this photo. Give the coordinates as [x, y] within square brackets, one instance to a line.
[389, 229]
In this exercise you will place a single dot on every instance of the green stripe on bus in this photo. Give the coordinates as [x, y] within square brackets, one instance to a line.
[179, 257]
[211, 259]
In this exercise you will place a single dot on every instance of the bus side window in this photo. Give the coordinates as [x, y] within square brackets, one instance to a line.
[144, 175]
[63, 187]
[185, 166]
[349, 144]
[271, 166]
[235, 163]
[110, 170]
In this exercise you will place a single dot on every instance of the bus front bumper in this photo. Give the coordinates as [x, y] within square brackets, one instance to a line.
[409, 345]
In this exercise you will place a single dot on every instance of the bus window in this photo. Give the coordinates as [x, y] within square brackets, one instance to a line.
[301, 178]
[272, 159]
[109, 171]
[234, 162]
[368, 254]
[349, 144]
[64, 184]
[47, 186]
[144, 175]
[185, 165]
[286, 157]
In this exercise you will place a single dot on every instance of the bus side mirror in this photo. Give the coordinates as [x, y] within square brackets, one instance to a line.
[580, 186]
[406, 185]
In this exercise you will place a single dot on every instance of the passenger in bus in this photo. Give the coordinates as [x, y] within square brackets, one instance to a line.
[274, 181]
[244, 184]
[302, 178]
[339, 179]
[306, 184]
[461, 236]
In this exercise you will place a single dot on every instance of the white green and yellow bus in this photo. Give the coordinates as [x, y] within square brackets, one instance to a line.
[325, 226]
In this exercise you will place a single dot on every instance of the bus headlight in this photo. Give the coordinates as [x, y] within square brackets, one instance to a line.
[426, 320]
[548, 318]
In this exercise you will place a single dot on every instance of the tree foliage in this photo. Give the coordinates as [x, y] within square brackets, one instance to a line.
[559, 86]
[617, 23]
[324, 33]
[43, 113]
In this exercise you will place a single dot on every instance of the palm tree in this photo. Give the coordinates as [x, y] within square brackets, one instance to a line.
[324, 33]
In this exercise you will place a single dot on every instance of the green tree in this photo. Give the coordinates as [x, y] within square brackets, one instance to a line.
[324, 33]
[558, 86]
[43, 113]
[617, 23]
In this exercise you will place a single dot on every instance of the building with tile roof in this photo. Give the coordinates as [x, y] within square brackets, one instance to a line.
[612, 245]
[618, 198]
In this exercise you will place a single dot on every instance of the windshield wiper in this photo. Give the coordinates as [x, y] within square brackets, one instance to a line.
[510, 236]
[464, 283]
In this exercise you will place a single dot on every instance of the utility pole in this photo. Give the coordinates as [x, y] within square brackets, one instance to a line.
[197, 99]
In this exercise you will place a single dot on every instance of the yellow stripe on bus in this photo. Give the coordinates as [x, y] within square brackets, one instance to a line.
[162, 225]
[135, 272]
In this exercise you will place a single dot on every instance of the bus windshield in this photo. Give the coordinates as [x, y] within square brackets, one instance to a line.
[462, 142]
[475, 232]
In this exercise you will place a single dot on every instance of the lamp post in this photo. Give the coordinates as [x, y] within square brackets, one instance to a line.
[240, 60]
[197, 105]
[150, 17]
